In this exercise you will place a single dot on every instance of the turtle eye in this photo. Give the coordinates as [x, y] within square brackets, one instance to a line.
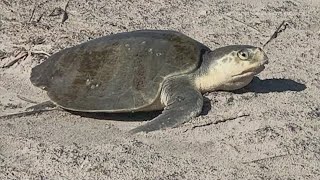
[243, 54]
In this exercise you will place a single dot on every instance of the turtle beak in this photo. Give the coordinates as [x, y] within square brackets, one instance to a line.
[265, 57]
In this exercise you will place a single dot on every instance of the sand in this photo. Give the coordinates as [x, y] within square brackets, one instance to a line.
[267, 130]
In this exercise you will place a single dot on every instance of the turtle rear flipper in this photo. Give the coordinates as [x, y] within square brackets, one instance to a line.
[42, 106]
[36, 109]
[182, 101]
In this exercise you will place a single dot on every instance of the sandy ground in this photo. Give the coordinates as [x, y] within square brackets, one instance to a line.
[268, 130]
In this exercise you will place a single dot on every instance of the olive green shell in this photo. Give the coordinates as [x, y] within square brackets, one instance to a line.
[117, 73]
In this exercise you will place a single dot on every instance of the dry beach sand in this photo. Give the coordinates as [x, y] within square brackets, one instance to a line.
[268, 130]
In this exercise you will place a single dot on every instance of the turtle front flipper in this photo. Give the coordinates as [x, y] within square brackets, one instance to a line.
[183, 102]
[42, 106]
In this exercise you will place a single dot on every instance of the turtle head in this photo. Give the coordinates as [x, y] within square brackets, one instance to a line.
[230, 67]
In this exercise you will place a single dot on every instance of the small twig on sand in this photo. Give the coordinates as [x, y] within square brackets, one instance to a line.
[244, 23]
[65, 14]
[282, 27]
[267, 158]
[33, 11]
[56, 11]
[40, 52]
[220, 121]
[15, 60]
[40, 17]
[24, 54]
[26, 99]
[28, 113]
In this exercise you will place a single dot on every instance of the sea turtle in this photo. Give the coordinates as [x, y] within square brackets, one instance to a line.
[145, 70]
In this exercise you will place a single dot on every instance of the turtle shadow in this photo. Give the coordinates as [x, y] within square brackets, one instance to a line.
[137, 116]
[206, 106]
[272, 85]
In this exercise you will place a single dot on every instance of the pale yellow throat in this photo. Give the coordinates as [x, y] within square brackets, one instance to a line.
[221, 76]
